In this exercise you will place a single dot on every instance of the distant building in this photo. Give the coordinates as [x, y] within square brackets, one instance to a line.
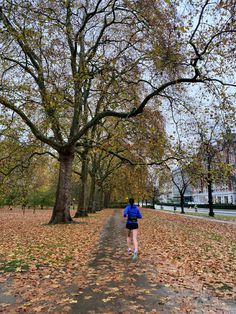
[166, 197]
[223, 192]
[182, 181]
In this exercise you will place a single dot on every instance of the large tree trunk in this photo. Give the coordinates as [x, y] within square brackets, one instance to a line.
[61, 209]
[82, 204]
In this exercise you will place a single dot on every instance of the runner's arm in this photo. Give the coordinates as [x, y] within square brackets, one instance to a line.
[125, 212]
[139, 215]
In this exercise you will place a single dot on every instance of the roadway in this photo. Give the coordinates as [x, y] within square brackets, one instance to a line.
[223, 212]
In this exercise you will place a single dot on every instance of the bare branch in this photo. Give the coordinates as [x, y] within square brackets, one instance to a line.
[25, 67]
[199, 20]
[27, 164]
[39, 135]
[133, 112]
[25, 47]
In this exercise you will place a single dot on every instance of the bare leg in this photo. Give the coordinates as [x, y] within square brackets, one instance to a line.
[135, 239]
[129, 234]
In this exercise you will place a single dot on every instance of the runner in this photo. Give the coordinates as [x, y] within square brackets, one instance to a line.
[132, 213]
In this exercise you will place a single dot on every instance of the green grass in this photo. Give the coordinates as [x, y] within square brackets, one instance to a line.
[216, 237]
[14, 265]
[218, 217]
[225, 287]
[68, 258]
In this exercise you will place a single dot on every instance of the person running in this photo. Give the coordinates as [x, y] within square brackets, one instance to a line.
[132, 213]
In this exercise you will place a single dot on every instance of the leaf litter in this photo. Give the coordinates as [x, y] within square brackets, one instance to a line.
[48, 261]
[42, 261]
[190, 253]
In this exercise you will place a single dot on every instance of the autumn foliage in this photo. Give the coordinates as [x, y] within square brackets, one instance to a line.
[191, 253]
[39, 262]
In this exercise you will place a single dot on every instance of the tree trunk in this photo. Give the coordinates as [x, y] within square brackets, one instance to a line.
[210, 199]
[61, 209]
[100, 198]
[95, 200]
[153, 202]
[182, 203]
[82, 204]
[92, 197]
[107, 197]
[209, 186]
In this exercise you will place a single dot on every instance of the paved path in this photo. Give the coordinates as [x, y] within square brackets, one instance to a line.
[218, 212]
[116, 284]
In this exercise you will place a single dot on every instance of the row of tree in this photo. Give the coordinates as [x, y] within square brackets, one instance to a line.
[112, 165]
[71, 69]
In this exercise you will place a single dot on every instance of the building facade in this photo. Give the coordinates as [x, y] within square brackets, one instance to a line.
[223, 192]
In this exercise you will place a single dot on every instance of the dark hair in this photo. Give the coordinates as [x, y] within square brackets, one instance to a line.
[131, 201]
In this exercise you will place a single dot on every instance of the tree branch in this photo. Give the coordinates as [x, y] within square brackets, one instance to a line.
[133, 112]
[27, 50]
[39, 135]
[28, 162]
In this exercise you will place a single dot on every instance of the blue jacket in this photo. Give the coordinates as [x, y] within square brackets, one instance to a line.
[132, 213]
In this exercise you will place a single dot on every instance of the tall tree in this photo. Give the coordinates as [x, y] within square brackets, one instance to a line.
[66, 65]
[181, 180]
[213, 166]
[205, 125]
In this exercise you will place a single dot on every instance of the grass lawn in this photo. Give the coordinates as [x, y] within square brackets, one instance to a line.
[217, 216]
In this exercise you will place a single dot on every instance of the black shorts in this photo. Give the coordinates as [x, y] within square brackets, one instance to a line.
[132, 225]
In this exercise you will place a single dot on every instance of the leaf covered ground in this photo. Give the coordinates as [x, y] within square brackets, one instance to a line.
[191, 253]
[47, 268]
[116, 284]
[39, 262]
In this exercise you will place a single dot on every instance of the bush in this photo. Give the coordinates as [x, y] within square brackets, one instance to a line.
[9, 199]
[36, 198]
[44, 198]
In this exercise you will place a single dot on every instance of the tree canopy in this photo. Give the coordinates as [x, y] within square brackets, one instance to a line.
[68, 65]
